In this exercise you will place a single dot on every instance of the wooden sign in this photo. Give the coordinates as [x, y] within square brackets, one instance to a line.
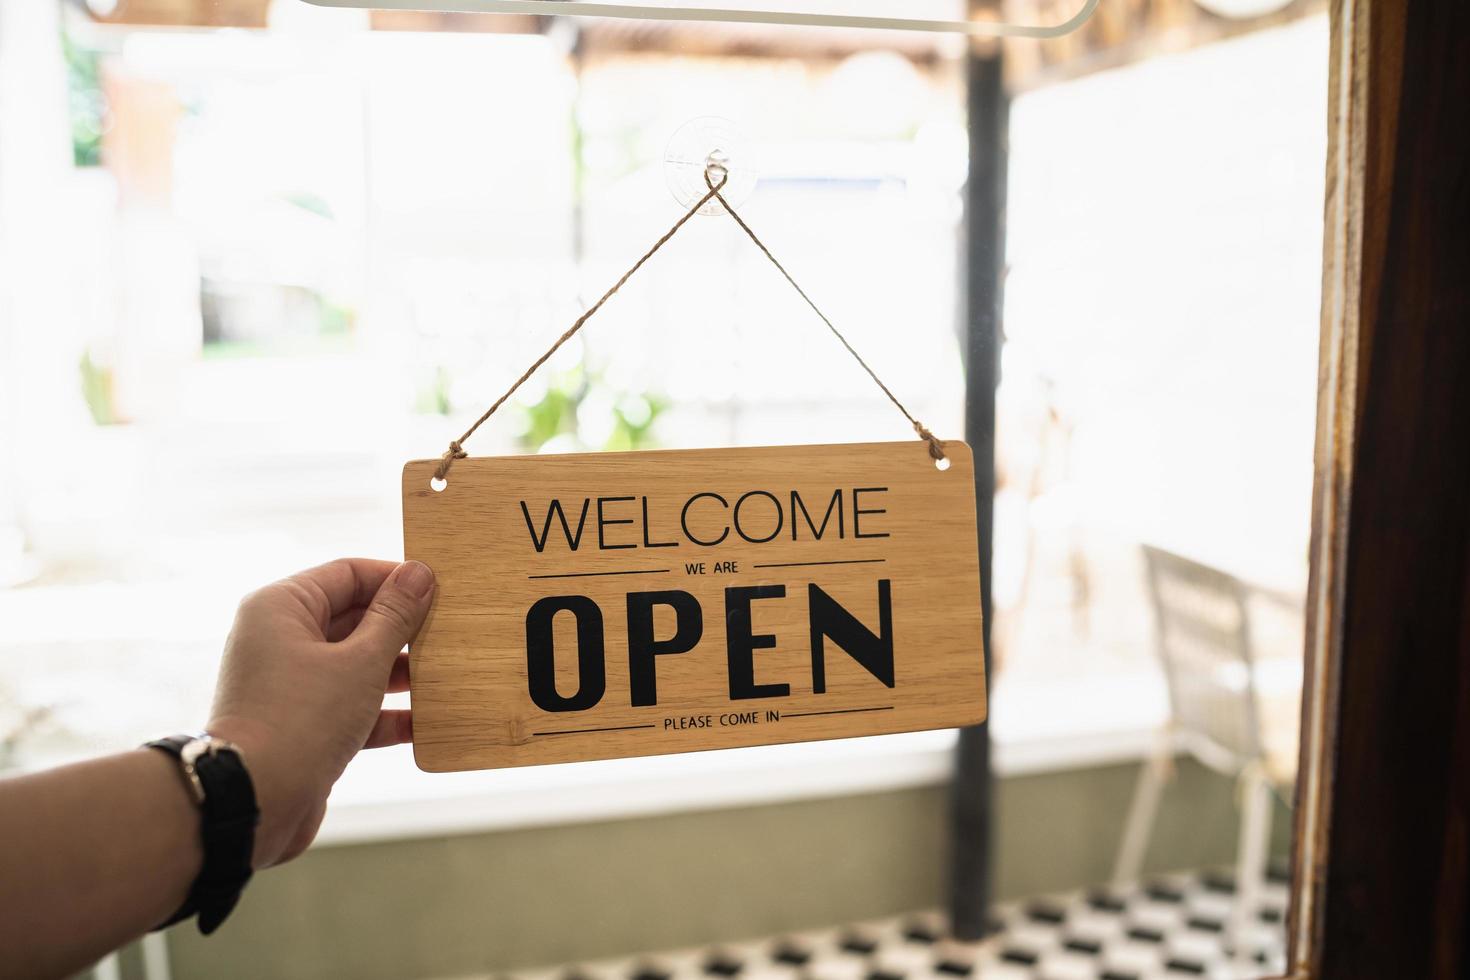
[627, 604]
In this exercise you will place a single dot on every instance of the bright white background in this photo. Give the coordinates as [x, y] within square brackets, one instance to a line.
[1164, 242]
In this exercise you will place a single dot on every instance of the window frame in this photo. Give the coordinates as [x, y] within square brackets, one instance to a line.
[1380, 864]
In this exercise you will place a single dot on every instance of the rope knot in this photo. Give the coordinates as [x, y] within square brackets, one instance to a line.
[455, 451]
[936, 448]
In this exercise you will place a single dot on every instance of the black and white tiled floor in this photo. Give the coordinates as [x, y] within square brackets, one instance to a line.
[1170, 928]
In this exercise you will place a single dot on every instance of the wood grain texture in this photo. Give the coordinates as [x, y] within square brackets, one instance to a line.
[1383, 825]
[890, 517]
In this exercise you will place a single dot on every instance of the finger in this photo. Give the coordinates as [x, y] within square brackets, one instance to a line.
[325, 591]
[393, 727]
[398, 677]
[343, 624]
[397, 610]
[343, 584]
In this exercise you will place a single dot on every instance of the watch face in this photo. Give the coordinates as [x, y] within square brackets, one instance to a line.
[207, 745]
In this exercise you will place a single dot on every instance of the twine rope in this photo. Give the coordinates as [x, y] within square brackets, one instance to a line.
[936, 449]
[456, 446]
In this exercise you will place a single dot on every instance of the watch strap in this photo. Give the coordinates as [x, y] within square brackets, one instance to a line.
[228, 817]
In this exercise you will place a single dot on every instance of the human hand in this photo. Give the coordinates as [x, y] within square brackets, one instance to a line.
[301, 686]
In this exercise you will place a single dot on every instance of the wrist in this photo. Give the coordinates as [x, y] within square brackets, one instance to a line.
[273, 797]
[175, 810]
[214, 773]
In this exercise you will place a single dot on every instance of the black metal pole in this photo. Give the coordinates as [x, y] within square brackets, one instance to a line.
[971, 803]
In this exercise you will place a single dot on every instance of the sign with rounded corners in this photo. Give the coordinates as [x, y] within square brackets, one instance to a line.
[626, 604]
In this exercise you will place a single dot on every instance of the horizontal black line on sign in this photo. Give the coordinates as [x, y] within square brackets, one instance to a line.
[837, 711]
[588, 731]
[649, 571]
[801, 564]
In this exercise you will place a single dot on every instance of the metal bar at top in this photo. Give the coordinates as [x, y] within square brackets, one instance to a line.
[575, 8]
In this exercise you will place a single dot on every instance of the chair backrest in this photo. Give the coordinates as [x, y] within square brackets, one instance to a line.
[1203, 630]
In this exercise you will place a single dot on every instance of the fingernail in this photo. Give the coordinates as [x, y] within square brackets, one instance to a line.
[415, 578]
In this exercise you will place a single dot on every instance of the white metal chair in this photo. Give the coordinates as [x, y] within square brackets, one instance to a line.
[1217, 715]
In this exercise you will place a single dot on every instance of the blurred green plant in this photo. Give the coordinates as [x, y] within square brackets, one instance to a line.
[97, 390]
[580, 411]
[433, 395]
[87, 104]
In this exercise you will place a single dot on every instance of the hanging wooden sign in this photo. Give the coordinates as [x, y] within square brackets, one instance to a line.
[627, 604]
[595, 607]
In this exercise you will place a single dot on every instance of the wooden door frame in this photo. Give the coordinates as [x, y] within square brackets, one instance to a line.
[1382, 844]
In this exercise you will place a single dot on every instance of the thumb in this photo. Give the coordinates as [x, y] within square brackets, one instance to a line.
[396, 612]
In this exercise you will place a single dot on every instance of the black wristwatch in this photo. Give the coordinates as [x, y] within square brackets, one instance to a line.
[214, 772]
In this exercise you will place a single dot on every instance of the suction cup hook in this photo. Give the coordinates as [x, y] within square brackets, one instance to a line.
[714, 146]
